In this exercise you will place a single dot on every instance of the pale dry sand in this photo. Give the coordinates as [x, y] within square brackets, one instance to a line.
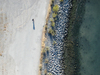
[20, 45]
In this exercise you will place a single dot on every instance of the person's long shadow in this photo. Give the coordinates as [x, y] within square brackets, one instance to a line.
[33, 26]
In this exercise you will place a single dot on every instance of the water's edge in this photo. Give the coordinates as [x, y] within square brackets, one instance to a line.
[71, 63]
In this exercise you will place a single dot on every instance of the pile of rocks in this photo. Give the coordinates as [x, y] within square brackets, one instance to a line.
[55, 59]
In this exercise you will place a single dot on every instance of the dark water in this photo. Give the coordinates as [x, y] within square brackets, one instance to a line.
[90, 39]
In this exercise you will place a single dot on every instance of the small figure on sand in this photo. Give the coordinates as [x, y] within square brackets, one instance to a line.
[33, 24]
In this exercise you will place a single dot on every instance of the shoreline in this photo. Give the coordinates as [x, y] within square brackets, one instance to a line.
[43, 38]
[71, 52]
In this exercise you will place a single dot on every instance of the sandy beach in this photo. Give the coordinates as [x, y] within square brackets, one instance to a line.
[20, 45]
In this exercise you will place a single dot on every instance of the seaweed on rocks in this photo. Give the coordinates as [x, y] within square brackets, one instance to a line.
[71, 63]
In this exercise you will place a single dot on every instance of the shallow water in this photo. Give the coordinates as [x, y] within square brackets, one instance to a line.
[89, 39]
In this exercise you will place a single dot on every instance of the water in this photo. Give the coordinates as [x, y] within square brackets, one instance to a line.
[89, 39]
